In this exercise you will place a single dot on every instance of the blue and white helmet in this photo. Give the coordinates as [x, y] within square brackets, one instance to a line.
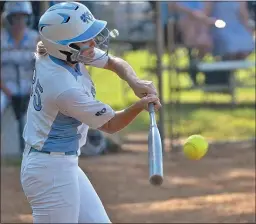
[12, 7]
[67, 23]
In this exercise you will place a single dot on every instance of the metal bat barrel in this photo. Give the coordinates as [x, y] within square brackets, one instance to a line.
[154, 150]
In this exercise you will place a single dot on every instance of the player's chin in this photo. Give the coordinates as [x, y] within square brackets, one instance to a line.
[91, 55]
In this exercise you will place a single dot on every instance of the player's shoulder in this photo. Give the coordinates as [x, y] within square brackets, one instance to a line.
[55, 74]
[54, 67]
[61, 68]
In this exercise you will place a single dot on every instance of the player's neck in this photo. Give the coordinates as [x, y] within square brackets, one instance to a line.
[17, 36]
[71, 65]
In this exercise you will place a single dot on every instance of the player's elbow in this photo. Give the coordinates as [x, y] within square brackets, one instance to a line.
[111, 131]
[108, 131]
[108, 128]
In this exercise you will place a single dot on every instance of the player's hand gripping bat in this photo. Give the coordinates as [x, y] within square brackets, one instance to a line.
[154, 150]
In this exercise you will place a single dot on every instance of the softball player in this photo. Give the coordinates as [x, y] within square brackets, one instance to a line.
[18, 43]
[62, 106]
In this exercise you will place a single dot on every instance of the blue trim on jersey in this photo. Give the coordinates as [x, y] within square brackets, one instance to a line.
[75, 72]
[78, 67]
[91, 32]
[63, 136]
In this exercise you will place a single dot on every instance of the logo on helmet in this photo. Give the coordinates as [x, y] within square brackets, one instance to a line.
[86, 17]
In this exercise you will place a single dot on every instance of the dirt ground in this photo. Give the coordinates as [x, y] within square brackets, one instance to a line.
[220, 188]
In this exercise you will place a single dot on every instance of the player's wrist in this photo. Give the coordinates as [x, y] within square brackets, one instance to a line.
[132, 81]
[138, 106]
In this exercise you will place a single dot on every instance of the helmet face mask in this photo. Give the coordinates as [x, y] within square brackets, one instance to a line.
[101, 42]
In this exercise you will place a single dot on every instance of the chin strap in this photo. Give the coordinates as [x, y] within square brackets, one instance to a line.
[68, 54]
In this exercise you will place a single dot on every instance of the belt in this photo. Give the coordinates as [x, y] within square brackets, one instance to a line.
[54, 153]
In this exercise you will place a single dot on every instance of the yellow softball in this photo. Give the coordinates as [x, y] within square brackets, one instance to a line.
[195, 147]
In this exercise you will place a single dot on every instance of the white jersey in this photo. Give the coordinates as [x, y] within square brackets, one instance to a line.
[20, 58]
[63, 106]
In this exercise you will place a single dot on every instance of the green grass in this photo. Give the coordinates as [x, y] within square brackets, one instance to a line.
[11, 161]
[216, 123]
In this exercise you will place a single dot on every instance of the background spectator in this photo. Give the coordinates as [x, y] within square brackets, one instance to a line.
[192, 24]
[18, 42]
[235, 41]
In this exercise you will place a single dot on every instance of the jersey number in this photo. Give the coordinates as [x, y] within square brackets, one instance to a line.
[36, 91]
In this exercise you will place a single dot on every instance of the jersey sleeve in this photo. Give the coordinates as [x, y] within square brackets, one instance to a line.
[74, 103]
[102, 61]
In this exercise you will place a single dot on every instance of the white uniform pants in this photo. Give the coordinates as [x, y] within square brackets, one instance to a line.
[59, 191]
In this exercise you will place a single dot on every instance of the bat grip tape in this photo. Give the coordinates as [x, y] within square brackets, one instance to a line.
[152, 114]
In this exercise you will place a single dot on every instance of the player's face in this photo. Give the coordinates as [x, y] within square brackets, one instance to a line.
[86, 52]
[87, 48]
[18, 22]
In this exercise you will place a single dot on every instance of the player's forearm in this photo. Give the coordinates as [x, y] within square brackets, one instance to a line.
[121, 119]
[122, 69]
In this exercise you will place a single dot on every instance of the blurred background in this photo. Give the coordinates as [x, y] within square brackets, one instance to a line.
[206, 82]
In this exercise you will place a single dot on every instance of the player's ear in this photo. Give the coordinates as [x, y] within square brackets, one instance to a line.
[68, 54]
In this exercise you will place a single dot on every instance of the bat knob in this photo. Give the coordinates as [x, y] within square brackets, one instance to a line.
[156, 180]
